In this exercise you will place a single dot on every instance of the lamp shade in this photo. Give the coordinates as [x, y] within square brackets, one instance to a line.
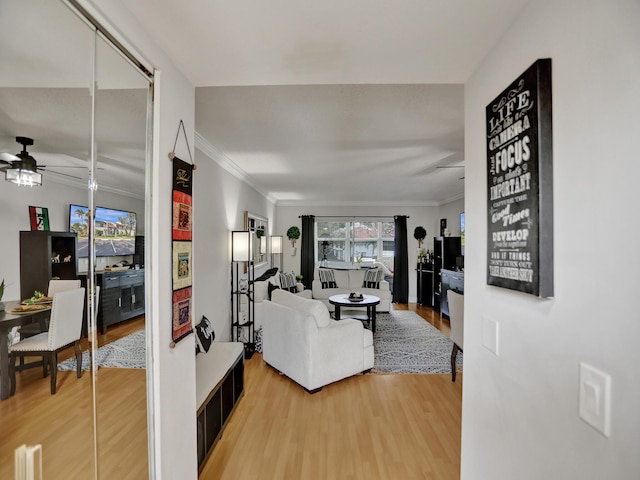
[240, 246]
[23, 177]
[276, 244]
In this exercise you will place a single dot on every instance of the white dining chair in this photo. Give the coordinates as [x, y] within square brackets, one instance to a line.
[456, 318]
[65, 330]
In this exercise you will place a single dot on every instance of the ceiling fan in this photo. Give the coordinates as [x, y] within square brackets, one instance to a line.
[452, 166]
[22, 168]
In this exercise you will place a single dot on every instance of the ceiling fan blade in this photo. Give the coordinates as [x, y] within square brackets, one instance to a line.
[60, 173]
[450, 166]
[6, 157]
[42, 167]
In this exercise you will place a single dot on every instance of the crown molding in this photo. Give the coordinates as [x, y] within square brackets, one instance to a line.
[227, 164]
[82, 185]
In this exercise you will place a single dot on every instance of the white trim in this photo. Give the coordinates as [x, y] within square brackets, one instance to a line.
[226, 163]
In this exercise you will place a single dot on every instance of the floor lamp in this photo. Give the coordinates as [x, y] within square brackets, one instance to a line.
[276, 248]
[242, 307]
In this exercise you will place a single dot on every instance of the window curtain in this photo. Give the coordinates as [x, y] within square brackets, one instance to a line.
[307, 253]
[401, 262]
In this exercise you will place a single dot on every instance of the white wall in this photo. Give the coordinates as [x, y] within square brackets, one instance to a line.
[520, 409]
[220, 200]
[428, 217]
[14, 217]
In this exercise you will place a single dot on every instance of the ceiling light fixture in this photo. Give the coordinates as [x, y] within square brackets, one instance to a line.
[23, 169]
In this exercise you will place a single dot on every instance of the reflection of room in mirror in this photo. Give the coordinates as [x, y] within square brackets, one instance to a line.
[259, 226]
[45, 94]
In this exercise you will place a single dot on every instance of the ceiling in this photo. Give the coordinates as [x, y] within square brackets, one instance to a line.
[337, 101]
[332, 102]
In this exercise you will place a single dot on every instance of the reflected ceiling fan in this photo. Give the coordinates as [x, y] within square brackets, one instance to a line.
[452, 166]
[23, 169]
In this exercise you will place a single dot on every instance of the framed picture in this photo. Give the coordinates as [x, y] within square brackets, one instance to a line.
[443, 226]
[39, 218]
[181, 216]
[182, 313]
[181, 265]
[520, 184]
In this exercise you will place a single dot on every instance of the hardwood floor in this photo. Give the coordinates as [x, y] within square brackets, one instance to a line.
[363, 427]
[368, 426]
[63, 423]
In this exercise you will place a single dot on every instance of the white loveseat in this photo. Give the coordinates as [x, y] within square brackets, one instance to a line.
[302, 341]
[350, 281]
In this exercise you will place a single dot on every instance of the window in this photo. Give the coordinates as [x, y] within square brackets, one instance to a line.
[342, 241]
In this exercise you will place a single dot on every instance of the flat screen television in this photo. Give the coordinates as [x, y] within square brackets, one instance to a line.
[115, 230]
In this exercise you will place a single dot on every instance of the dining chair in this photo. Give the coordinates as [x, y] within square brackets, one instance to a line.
[456, 318]
[55, 286]
[65, 330]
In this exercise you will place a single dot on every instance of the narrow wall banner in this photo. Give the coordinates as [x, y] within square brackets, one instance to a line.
[181, 252]
[520, 184]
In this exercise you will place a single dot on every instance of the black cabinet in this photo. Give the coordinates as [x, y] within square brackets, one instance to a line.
[214, 413]
[121, 296]
[451, 280]
[445, 252]
[425, 284]
[45, 255]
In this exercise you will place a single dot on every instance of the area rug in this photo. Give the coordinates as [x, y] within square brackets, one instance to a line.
[126, 352]
[406, 343]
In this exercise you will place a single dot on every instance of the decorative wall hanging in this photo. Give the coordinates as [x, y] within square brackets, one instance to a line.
[39, 218]
[182, 234]
[520, 184]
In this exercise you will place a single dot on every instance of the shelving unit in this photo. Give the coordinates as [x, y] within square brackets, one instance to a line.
[445, 252]
[242, 298]
[425, 284]
[45, 255]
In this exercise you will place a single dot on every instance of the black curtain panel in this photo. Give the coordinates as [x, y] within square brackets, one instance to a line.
[307, 260]
[401, 262]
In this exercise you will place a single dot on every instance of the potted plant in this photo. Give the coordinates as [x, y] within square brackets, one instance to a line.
[293, 234]
[420, 234]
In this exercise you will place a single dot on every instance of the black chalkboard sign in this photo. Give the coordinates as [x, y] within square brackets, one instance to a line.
[520, 184]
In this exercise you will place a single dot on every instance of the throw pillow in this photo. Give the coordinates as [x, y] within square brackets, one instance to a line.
[327, 278]
[372, 278]
[204, 335]
[288, 282]
[267, 275]
[270, 288]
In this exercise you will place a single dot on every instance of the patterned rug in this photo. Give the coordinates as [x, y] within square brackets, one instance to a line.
[405, 343]
[127, 352]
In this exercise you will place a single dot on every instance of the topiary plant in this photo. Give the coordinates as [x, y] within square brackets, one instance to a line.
[293, 234]
[419, 234]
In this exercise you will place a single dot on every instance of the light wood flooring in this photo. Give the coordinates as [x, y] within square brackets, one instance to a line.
[63, 423]
[363, 427]
[368, 426]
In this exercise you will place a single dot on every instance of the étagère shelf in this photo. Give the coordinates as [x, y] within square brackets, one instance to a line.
[242, 284]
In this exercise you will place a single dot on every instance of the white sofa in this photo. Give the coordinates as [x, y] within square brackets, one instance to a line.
[302, 341]
[350, 281]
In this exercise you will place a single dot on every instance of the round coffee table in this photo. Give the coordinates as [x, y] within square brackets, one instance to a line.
[368, 301]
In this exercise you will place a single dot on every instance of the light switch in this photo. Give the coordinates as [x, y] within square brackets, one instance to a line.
[490, 338]
[595, 398]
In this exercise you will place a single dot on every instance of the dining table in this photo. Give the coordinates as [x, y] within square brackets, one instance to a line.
[7, 322]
